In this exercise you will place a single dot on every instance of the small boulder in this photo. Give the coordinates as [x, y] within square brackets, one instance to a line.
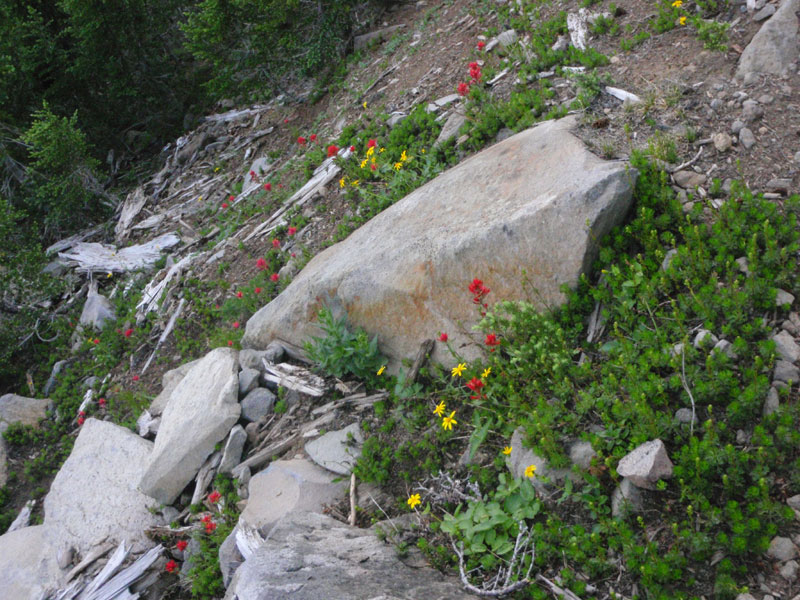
[581, 454]
[626, 500]
[789, 571]
[232, 454]
[22, 410]
[685, 415]
[786, 372]
[722, 141]
[169, 381]
[337, 451]
[782, 549]
[507, 38]
[521, 458]
[252, 359]
[688, 179]
[746, 138]
[451, 127]
[28, 563]
[257, 404]
[248, 380]
[646, 464]
[772, 403]
[786, 346]
[704, 337]
[774, 47]
[96, 311]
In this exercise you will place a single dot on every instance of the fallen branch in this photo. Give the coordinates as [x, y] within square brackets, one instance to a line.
[422, 356]
[204, 477]
[98, 552]
[687, 163]
[100, 258]
[295, 378]
[170, 326]
[265, 455]
[154, 290]
[352, 517]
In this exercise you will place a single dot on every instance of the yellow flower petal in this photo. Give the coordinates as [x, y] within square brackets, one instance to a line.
[486, 372]
[507, 450]
[413, 500]
[448, 422]
[439, 410]
[530, 470]
[458, 369]
[381, 370]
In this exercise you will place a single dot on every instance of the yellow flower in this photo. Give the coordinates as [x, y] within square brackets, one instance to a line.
[355, 182]
[365, 104]
[486, 372]
[439, 410]
[199, 198]
[383, 149]
[413, 500]
[423, 150]
[507, 450]
[364, 163]
[677, 3]
[398, 166]
[448, 422]
[110, 274]
[370, 150]
[403, 157]
[216, 170]
[341, 182]
[530, 470]
[373, 160]
[682, 20]
[381, 370]
[458, 369]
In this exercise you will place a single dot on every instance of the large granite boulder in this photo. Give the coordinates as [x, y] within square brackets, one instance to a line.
[534, 207]
[28, 563]
[169, 381]
[776, 45]
[201, 411]
[94, 497]
[19, 409]
[309, 556]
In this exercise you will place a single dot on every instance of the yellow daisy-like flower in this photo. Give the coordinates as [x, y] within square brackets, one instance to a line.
[110, 274]
[381, 370]
[677, 3]
[682, 20]
[199, 198]
[458, 369]
[486, 372]
[530, 470]
[370, 150]
[423, 151]
[365, 104]
[507, 450]
[398, 166]
[448, 422]
[341, 182]
[403, 157]
[413, 500]
[355, 182]
[439, 410]
[364, 163]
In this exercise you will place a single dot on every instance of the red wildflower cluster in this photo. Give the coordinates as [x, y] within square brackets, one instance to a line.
[214, 497]
[136, 378]
[474, 72]
[372, 143]
[261, 264]
[268, 187]
[96, 341]
[443, 337]
[128, 332]
[481, 45]
[224, 205]
[491, 341]
[236, 324]
[352, 148]
[274, 277]
[253, 176]
[81, 418]
[171, 566]
[292, 230]
[209, 524]
[476, 385]
[276, 243]
[463, 89]
[102, 402]
[313, 137]
[332, 150]
[239, 294]
[478, 290]
[181, 545]
[301, 140]
[230, 342]
[257, 290]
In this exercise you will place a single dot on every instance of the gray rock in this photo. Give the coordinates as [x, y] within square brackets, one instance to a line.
[722, 141]
[725, 347]
[744, 265]
[626, 500]
[746, 138]
[775, 46]
[704, 338]
[786, 371]
[764, 13]
[147, 424]
[668, 258]
[65, 557]
[201, 411]
[451, 127]
[94, 497]
[581, 454]
[28, 563]
[794, 502]
[736, 127]
[781, 185]
[789, 571]
[745, 596]
[689, 179]
[257, 403]
[782, 298]
[511, 217]
[751, 111]
[286, 487]
[248, 380]
[52, 381]
[260, 166]
[232, 454]
[797, 157]
[22, 410]
[507, 38]
[311, 557]
[684, 415]
[646, 464]
[251, 359]
[521, 458]
[229, 558]
[3, 463]
[562, 43]
[772, 403]
[337, 451]
[781, 548]
[169, 381]
[395, 119]
[786, 346]
[97, 311]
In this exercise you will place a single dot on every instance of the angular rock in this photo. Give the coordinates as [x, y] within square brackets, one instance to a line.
[786, 346]
[507, 38]
[451, 127]
[772, 403]
[626, 500]
[789, 570]
[794, 502]
[751, 111]
[684, 415]
[311, 556]
[337, 451]
[201, 411]
[671, 253]
[722, 141]
[248, 380]
[688, 179]
[52, 381]
[782, 548]
[169, 381]
[22, 410]
[775, 46]
[646, 464]
[746, 138]
[780, 186]
[764, 13]
[252, 359]
[232, 454]
[229, 558]
[521, 216]
[94, 497]
[521, 458]
[725, 347]
[581, 454]
[257, 403]
[97, 311]
[786, 371]
[3, 463]
[703, 337]
[28, 563]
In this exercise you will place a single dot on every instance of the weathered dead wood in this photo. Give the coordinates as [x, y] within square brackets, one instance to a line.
[295, 378]
[248, 539]
[130, 210]
[116, 587]
[266, 454]
[312, 428]
[422, 356]
[154, 290]
[204, 476]
[71, 241]
[352, 517]
[163, 530]
[96, 553]
[167, 330]
[101, 258]
[374, 83]
[23, 518]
